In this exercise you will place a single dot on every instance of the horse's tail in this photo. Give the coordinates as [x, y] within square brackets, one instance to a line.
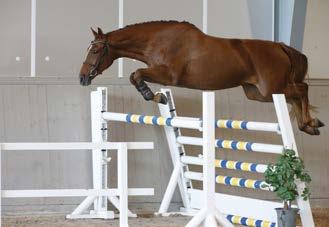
[299, 63]
[298, 71]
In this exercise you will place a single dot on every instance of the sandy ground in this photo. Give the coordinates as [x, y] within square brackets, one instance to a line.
[321, 217]
[60, 221]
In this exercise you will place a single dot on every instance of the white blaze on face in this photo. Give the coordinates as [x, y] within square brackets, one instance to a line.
[88, 50]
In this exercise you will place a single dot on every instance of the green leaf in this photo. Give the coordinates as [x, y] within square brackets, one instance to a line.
[281, 176]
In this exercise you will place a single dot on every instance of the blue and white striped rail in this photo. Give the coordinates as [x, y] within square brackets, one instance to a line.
[241, 182]
[248, 125]
[189, 122]
[180, 122]
[234, 219]
[231, 181]
[234, 145]
[227, 164]
[249, 146]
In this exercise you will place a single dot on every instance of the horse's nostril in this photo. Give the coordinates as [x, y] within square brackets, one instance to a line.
[82, 79]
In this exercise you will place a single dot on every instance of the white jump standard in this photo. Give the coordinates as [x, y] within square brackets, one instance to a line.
[208, 213]
[236, 209]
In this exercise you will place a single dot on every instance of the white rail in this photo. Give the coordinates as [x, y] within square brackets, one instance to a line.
[74, 146]
[72, 192]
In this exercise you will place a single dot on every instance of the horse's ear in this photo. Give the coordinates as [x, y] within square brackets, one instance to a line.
[100, 32]
[94, 32]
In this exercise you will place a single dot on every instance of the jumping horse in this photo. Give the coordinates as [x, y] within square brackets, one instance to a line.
[179, 54]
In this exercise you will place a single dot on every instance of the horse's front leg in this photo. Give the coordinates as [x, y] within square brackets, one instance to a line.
[139, 77]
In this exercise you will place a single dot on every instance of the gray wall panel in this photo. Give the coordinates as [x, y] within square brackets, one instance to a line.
[159, 10]
[229, 19]
[260, 16]
[15, 36]
[25, 122]
[63, 33]
[69, 121]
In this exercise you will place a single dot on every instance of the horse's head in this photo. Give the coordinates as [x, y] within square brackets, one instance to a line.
[98, 58]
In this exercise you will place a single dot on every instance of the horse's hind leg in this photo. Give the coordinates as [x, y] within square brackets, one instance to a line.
[158, 74]
[297, 95]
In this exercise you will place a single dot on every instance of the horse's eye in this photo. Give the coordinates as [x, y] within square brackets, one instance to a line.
[95, 51]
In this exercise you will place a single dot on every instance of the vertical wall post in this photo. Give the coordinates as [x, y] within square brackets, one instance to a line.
[290, 143]
[205, 16]
[33, 36]
[0, 185]
[120, 25]
[273, 20]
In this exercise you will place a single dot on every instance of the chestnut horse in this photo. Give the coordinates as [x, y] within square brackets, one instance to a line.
[179, 54]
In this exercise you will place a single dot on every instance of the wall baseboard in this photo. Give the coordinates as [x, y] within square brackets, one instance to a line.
[100, 80]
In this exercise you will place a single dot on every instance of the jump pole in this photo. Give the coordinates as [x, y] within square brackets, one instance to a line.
[209, 213]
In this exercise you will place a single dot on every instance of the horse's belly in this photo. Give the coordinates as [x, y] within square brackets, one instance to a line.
[212, 75]
[210, 81]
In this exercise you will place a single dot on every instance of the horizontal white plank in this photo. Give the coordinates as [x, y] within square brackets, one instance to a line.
[99, 215]
[73, 192]
[238, 205]
[140, 145]
[75, 146]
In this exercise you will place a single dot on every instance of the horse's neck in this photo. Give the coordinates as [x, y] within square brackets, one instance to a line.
[128, 44]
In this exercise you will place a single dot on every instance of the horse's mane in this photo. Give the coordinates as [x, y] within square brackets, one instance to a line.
[155, 22]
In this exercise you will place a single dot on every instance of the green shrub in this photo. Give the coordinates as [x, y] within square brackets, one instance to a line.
[281, 177]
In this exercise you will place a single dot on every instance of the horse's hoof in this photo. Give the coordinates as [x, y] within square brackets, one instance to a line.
[318, 123]
[316, 131]
[160, 98]
[311, 130]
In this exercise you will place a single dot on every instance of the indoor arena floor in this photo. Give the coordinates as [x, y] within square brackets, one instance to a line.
[321, 217]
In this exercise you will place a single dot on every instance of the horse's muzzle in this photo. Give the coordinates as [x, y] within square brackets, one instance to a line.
[85, 80]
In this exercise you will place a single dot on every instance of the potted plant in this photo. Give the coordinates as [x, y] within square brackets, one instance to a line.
[281, 178]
